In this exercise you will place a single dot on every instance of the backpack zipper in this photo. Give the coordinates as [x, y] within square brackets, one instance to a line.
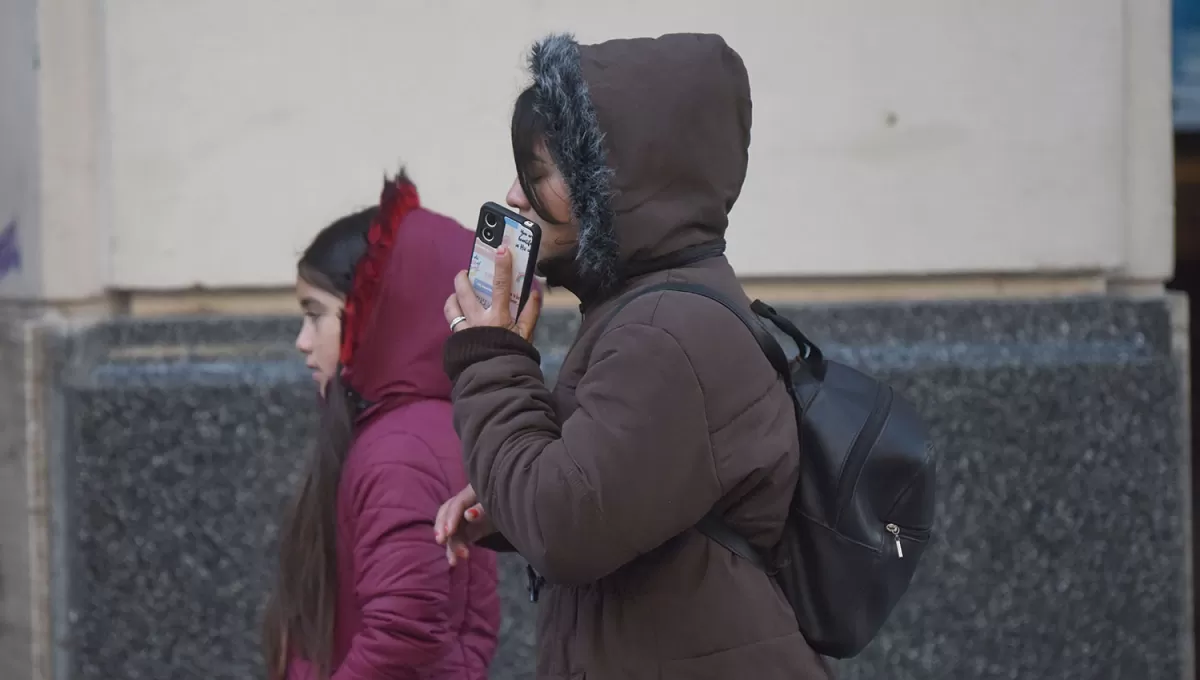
[861, 449]
[895, 532]
[907, 533]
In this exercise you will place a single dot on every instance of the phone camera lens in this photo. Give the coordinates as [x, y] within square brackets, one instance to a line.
[490, 219]
[488, 234]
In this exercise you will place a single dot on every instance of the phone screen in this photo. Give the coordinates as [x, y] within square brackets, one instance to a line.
[519, 240]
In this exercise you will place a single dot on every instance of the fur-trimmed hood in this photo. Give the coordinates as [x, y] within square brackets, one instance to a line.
[652, 137]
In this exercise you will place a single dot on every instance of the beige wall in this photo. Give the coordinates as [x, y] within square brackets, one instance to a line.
[54, 168]
[18, 142]
[930, 136]
[75, 194]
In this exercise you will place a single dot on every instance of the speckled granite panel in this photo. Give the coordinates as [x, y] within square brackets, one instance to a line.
[1062, 527]
[1061, 545]
[175, 494]
[185, 438]
[1060, 549]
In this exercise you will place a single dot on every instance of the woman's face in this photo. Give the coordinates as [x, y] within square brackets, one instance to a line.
[551, 188]
[320, 335]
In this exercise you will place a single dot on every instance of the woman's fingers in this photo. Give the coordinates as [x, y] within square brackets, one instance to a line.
[502, 283]
[477, 526]
[458, 546]
[466, 302]
[450, 530]
[456, 550]
[439, 521]
[528, 320]
[474, 513]
[447, 521]
[450, 515]
[452, 310]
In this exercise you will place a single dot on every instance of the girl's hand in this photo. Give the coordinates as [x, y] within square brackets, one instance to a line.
[463, 310]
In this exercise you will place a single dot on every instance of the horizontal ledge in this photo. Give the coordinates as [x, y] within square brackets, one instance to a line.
[782, 290]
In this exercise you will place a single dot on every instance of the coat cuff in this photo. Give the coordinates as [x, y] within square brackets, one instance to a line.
[473, 345]
[496, 543]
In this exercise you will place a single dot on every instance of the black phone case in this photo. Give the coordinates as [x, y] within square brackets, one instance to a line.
[527, 286]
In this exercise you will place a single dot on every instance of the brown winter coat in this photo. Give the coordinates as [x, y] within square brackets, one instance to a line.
[658, 414]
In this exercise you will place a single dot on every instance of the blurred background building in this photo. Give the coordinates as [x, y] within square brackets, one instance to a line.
[975, 200]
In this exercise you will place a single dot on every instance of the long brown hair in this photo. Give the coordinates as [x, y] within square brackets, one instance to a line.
[299, 617]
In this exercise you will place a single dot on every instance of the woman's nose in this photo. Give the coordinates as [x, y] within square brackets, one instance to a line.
[516, 197]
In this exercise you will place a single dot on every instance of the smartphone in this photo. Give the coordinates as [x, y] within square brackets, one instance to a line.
[499, 226]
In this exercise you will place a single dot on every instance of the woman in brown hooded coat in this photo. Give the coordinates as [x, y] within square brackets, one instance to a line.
[630, 155]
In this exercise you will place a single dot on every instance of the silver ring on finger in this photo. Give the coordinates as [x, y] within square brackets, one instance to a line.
[457, 320]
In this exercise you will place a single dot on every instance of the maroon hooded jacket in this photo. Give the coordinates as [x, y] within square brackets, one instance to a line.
[402, 611]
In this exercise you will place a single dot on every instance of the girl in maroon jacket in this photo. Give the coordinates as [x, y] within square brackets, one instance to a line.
[363, 590]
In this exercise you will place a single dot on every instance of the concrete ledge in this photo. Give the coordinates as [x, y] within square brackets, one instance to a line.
[151, 304]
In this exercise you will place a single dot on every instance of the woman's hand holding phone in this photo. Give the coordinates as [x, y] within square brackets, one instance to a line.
[462, 521]
[463, 310]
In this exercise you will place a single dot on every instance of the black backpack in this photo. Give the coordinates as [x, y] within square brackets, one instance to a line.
[863, 509]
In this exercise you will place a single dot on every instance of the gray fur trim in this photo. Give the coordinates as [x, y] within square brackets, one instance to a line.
[577, 144]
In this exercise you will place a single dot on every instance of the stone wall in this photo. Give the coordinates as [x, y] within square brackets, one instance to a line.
[1063, 530]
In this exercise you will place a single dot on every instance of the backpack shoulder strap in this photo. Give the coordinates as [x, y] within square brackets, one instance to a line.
[712, 524]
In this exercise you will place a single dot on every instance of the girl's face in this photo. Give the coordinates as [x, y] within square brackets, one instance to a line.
[559, 230]
[320, 335]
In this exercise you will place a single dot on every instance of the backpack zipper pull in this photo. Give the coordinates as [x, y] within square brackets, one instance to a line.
[895, 532]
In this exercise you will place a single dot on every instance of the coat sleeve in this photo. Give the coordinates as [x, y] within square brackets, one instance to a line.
[631, 468]
[402, 579]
